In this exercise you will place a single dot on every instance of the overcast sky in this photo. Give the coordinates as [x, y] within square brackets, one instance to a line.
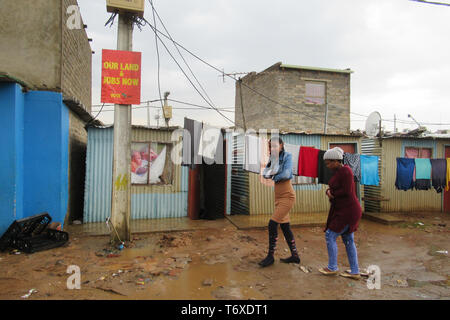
[399, 51]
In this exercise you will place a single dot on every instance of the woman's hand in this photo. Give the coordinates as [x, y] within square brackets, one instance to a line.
[328, 192]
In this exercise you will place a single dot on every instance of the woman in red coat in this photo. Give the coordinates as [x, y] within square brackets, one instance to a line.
[344, 216]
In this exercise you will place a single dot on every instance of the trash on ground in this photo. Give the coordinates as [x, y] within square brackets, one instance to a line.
[110, 290]
[442, 251]
[26, 296]
[305, 270]
[32, 234]
[207, 282]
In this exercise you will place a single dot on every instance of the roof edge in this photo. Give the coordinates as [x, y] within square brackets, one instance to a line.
[290, 66]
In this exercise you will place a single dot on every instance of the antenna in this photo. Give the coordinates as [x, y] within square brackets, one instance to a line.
[410, 116]
[373, 124]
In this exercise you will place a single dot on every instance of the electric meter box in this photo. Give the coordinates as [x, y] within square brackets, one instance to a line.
[167, 112]
[121, 6]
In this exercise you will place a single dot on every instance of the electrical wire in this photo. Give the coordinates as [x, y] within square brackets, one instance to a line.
[432, 2]
[187, 77]
[95, 116]
[179, 52]
[224, 74]
[175, 108]
[159, 62]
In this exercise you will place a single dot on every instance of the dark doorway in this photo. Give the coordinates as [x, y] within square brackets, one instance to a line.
[447, 193]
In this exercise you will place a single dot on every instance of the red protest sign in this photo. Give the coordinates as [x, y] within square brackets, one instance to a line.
[121, 77]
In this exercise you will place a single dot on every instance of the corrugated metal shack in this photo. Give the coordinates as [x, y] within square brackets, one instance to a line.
[164, 199]
[385, 197]
[250, 196]
[176, 194]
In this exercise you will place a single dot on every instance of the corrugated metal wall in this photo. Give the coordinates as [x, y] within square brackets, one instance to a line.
[411, 200]
[373, 194]
[98, 182]
[239, 178]
[309, 197]
[147, 202]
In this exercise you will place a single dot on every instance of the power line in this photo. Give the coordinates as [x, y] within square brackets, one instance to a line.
[224, 74]
[175, 108]
[159, 63]
[187, 77]
[405, 121]
[179, 52]
[177, 101]
[433, 2]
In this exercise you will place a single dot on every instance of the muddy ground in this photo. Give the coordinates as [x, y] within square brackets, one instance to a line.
[222, 264]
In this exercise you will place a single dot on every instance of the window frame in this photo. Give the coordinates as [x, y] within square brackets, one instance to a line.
[419, 153]
[325, 84]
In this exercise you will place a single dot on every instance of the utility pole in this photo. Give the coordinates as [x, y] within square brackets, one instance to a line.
[326, 116]
[395, 123]
[121, 186]
[167, 110]
[148, 113]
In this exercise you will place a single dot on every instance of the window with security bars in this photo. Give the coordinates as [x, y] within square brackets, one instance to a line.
[315, 92]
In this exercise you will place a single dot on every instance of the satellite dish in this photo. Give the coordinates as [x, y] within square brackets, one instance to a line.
[373, 124]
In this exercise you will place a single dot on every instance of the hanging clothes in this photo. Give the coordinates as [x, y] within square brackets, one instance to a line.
[307, 162]
[209, 142]
[438, 173]
[191, 142]
[323, 173]
[447, 183]
[294, 150]
[422, 184]
[252, 154]
[353, 160]
[272, 167]
[423, 168]
[423, 174]
[305, 180]
[369, 170]
[405, 174]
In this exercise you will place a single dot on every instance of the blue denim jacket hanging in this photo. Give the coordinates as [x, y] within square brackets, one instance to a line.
[282, 171]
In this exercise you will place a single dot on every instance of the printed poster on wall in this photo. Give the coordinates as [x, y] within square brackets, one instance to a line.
[147, 162]
[121, 77]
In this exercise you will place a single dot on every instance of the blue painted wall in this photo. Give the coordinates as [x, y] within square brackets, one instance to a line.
[11, 155]
[46, 155]
[34, 136]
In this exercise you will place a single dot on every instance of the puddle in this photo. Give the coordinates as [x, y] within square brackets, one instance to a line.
[226, 284]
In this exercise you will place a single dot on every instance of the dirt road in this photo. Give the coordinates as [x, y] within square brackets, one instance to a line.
[222, 264]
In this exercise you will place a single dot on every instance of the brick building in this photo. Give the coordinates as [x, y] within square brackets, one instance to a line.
[38, 48]
[45, 66]
[314, 92]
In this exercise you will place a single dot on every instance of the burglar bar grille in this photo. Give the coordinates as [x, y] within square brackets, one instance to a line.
[372, 147]
[239, 178]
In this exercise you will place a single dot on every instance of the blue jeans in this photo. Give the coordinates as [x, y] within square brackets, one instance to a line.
[349, 243]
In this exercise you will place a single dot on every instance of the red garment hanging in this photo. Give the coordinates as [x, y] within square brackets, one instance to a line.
[307, 162]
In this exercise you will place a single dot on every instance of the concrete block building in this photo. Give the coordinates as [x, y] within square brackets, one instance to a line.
[294, 98]
[45, 89]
